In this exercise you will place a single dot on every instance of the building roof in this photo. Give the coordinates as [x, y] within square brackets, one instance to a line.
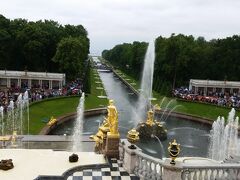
[31, 75]
[215, 83]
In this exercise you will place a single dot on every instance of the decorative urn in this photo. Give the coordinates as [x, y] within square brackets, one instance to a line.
[133, 138]
[174, 150]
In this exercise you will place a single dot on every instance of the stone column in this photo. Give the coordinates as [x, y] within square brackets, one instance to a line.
[8, 82]
[40, 83]
[190, 85]
[50, 84]
[205, 91]
[59, 85]
[195, 90]
[29, 83]
[19, 83]
[214, 90]
[223, 90]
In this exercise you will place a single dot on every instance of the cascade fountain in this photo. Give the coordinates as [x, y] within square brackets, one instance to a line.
[11, 116]
[151, 126]
[15, 117]
[20, 107]
[224, 140]
[78, 127]
[1, 120]
[146, 83]
[26, 105]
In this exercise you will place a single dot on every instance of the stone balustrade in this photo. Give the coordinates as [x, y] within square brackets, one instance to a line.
[211, 172]
[148, 167]
[143, 165]
[193, 168]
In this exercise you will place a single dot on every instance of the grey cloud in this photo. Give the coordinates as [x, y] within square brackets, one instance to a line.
[116, 21]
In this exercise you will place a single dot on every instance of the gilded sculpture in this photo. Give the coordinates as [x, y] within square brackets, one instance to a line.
[151, 127]
[112, 118]
[109, 126]
[150, 117]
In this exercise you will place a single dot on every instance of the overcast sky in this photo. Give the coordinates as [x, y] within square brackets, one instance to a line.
[110, 22]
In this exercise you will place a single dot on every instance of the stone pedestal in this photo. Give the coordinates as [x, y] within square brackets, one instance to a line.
[172, 171]
[112, 145]
[129, 157]
[129, 161]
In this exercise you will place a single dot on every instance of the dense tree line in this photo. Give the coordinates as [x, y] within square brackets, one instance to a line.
[128, 57]
[43, 46]
[180, 58]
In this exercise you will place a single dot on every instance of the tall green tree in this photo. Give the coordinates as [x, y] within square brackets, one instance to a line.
[34, 44]
[70, 55]
[180, 58]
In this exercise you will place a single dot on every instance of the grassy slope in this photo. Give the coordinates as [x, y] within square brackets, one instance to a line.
[46, 109]
[60, 106]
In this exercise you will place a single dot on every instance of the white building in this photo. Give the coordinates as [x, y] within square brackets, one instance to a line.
[31, 79]
[206, 86]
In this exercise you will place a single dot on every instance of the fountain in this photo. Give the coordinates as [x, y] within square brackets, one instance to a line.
[20, 107]
[1, 120]
[14, 120]
[26, 105]
[78, 127]
[151, 128]
[11, 116]
[146, 83]
[224, 142]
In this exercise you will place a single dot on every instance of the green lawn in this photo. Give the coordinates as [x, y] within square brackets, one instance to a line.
[46, 109]
[59, 106]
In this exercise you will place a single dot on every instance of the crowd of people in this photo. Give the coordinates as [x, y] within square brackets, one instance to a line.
[218, 98]
[38, 94]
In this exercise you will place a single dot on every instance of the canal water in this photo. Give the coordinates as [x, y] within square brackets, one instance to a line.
[192, 136]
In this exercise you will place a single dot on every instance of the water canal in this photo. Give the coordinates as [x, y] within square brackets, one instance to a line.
[193, 136]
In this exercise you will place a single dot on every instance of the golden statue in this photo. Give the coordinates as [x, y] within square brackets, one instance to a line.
[150, 117]
[156, 107]
[109, 126]
[112, 118]
[52, 121]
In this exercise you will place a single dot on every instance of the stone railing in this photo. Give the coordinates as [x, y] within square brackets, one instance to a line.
[221, 171]
[194, 168]
[142, 165]
[148, 167]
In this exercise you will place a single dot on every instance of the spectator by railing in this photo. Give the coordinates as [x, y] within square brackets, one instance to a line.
[216, 98]
[37, 94]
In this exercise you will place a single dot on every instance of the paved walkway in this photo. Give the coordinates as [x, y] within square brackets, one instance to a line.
[30, 163]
